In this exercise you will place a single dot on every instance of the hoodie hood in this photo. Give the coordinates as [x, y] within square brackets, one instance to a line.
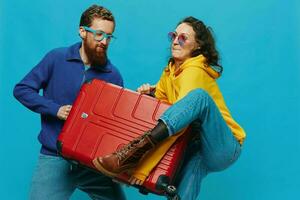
[199, 62]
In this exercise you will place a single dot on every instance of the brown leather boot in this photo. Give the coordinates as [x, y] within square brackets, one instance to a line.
[125, 158]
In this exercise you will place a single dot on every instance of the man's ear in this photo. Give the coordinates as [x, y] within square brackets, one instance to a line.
[82, 32]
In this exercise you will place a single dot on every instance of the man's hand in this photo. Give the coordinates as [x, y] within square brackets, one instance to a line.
[63, 112]
[146, 88]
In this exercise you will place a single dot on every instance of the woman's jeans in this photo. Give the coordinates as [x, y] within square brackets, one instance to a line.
[55, 179]
[214, 149]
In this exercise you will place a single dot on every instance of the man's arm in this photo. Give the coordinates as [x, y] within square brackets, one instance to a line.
[27, 90]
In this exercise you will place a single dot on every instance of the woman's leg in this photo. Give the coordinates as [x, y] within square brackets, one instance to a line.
[215, 148]
[190, 177]
[219, 148]
[197, 106]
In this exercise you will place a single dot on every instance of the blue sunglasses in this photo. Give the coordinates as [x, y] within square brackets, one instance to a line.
[181, 38]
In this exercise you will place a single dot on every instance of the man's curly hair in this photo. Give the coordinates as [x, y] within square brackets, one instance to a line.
[93, 12]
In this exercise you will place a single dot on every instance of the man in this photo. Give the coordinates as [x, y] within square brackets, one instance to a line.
[60, 75]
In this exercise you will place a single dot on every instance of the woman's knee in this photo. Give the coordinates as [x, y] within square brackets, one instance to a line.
[218, 163]
[221, 160]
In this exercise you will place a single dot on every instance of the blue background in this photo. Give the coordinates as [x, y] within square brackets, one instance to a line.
[259, 42]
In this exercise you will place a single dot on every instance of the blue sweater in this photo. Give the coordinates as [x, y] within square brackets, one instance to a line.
[60, 75]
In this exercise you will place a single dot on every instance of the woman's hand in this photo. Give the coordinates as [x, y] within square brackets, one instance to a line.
[64, 112]
[146, 88]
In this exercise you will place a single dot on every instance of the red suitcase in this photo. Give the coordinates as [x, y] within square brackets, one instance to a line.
[104, 117]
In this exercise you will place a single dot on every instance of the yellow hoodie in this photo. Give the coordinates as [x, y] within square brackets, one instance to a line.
[173, 86]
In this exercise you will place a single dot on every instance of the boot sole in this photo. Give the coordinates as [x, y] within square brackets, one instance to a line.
[104, 171]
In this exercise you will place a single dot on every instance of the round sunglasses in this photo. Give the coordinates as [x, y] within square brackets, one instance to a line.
[181, 38]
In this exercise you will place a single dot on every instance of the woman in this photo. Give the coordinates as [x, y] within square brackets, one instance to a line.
[189, 83]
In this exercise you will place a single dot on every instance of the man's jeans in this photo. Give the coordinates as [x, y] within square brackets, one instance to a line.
[55, 179]
[214, 147]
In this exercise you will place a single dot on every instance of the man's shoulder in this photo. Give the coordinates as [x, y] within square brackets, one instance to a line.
[57, 52]
[62, 51]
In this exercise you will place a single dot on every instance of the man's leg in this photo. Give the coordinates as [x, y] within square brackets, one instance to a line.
[51, 179]
[98, 186]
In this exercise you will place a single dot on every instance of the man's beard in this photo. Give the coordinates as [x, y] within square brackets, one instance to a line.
[96, 58]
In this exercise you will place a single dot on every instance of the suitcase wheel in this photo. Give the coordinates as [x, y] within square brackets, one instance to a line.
[171, 189]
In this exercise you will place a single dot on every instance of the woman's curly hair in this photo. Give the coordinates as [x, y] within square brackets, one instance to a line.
[205, 40]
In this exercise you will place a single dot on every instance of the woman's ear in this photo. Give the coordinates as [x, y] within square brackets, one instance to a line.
[197, 48]
[82, 32]
[196, 52]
